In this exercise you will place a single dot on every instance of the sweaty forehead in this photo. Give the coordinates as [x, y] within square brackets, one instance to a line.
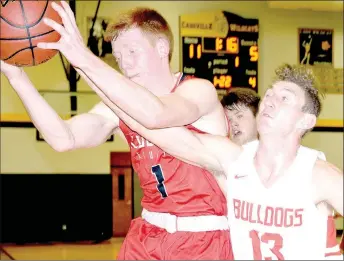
[290, 87]
[236, 109]
[128, 37]
[285, 85]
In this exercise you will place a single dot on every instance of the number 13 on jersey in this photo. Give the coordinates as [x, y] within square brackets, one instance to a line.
[159, 175]
[270, 240]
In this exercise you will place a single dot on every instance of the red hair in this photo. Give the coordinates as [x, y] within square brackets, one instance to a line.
[148, 20]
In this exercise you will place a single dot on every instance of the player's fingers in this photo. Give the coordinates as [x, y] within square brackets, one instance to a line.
[53, 46]
[69, 12]
[57, 27]
[64, 16]
[71, 18]
[3, 66]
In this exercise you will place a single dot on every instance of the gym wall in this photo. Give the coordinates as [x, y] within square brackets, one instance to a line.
[21, 153]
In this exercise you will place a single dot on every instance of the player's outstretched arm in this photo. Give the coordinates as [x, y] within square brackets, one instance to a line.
[139, 103]
[176, 141]
[82, 131]
[212, 152]
[328, 180]
[186, 146]
[194, 99]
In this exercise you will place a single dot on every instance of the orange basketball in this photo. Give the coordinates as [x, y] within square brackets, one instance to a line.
[22, 27]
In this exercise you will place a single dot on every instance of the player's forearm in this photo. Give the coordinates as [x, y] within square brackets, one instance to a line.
[119, 112]
[135, 100]
[54, 130]
[180, 143]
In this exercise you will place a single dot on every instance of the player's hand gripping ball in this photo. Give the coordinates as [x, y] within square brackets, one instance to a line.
[71, 44]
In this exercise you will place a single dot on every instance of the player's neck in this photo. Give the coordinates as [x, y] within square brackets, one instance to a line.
[276, 154]
[163, 82]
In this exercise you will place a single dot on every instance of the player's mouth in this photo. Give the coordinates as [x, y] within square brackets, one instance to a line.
[237, 133]
[131, 77]
[267, 115]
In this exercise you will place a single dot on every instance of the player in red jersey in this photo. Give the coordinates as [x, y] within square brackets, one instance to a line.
[183, 212]
[184, 209]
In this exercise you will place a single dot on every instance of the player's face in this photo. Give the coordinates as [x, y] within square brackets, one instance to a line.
[280, 111]
[243, 126]
[137, 58]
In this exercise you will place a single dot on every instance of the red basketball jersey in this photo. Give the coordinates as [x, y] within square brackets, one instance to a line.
[171, 185]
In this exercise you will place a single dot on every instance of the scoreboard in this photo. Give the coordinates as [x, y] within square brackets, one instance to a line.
[221, 47]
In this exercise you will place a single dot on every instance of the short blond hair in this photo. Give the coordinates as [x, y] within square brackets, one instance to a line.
[146, 19]
[304, 77]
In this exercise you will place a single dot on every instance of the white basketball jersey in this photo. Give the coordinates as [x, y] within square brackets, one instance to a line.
[276, 223]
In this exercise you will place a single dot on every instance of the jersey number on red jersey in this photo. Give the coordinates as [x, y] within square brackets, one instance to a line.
[159, 175]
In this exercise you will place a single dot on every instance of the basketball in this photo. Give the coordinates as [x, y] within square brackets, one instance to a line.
[22, 27]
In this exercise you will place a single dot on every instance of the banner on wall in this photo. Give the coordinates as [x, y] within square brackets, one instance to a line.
[316, 51]
[330, 83]
[315, 46]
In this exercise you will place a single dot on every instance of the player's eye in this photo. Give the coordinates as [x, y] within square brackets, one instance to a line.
[117, 58]
[268, 93]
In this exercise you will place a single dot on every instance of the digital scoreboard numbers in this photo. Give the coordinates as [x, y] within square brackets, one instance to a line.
[221, 47]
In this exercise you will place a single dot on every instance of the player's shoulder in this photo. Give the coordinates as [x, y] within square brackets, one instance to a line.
[250, 147]
[325, 176]
[195, 86]
[196, 82]
[246, 152]
[227, 152]
[325, 168]
[103, 110]
[100, 109]
[317, 153]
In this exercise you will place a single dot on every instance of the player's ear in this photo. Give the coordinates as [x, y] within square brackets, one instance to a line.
[307, 122]
[163, 47]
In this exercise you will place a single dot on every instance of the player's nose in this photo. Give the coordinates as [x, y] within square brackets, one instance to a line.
[234, 124]
[269, 102]
[126, 63]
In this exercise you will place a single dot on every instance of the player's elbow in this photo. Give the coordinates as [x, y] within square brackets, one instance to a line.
[148, 119]
[152, 122]
[62, 146]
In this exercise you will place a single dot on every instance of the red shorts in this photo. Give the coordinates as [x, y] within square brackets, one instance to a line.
[145, 241]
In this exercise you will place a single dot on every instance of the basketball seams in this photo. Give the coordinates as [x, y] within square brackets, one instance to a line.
[27, 25]
[41, 17]
[20, 50]
[4, 3]
[27, 30]
[25, 38]
[9, 23]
